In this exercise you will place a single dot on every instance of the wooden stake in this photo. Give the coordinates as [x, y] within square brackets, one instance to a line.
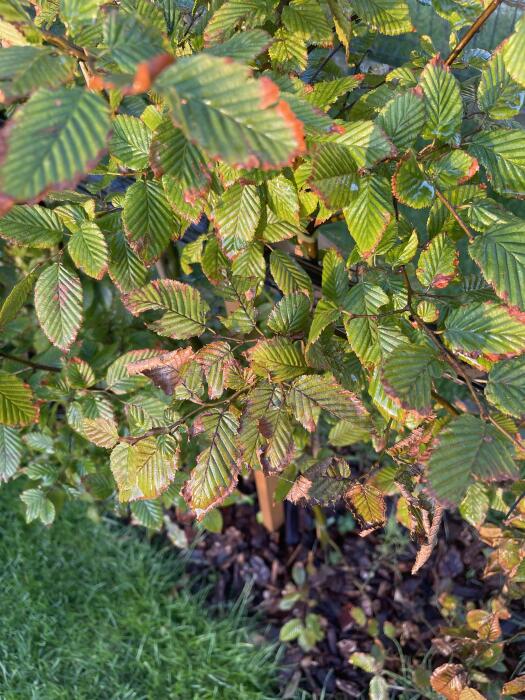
[272, 511]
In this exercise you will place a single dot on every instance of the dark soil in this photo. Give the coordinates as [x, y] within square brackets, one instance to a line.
[372, 573]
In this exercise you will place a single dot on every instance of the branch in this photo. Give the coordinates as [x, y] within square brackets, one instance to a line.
[474, 29]
[454, 213]
[34, 365]
[65, 45]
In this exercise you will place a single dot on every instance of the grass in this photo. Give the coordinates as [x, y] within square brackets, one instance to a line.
[89, 612]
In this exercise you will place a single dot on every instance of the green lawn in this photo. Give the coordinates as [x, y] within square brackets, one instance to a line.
[88, 612]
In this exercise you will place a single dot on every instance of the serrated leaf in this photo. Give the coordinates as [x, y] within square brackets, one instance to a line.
[408, 374]
[283, 199]
[214, 359]
[288, 51]
[130, 142]
[148, 513]
[148, 219]
[514, 686]
[230, 114]
[215, 475]
[323, 483]
[506, 386]
[403, 118]
[411, 185]
[10, 452]
[389, 17]
[101, 432]
[54, 139]
[88, 249]
[369, 212]
[513, 53]
[346, 433]
[288, 275]
[173, 155]
[325, 313]
[24, 69]
[263, 415]
[449, 680]
[35, 227]
[334, 175]
[225, 18]
[475, 505]
[466, 449]
[444, 108]
[243, 47]
[236, 218]
[126, 269]
[185, 310]
[453, 168]
[290, 315]
[307, 19]
[16, 299]
[118, 378]
[500, 253]
[38, 506]
[366, 142]
[146, 469]
[58, 304]
[310, 394]
[364, 299]
[502, 154]
[367, 503]
[486, 328]
[438, 262]
[130, 41]
[498, 94]
[325, 93]
[279, 359]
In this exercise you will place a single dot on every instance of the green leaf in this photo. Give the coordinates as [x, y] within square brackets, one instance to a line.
[500, 253]
[243, 47]
[403, 118]
[288, 51]
[148, 219]
[16, 299]
[283, 199]
[369, 212]
[367, 504]
[502, 154]
[130, 41]
[364, 298]
[498, 94]
[148, 514]
[130, 142]
[17, 405]
[506, 386]
[469, 448]
[438, 262]
[127, 271]
[335, 277]
[444, 108]
[390, 17]
[215, 475]
[453, 168]
[475, 505]
[173, 155]
[230, 114]
[38, 506]
[54, 139]
[346, 433]
[185, 311]
[236, 218]
[366, 142]
[311, 393]
[231, 12]
[306, 19]
[88, 249]
[35, 227]
[58, 305]
[334, 175]
[325, 313]
[118, 378]
[513, 53]
[24, 69]
[290, 315]
[146, 469]
[486, 328]
[10, 452]
[75, 13]
[408, 374]
[277, 359]
[410, 184]
[287, 274]
[101, 432]
[325, 93]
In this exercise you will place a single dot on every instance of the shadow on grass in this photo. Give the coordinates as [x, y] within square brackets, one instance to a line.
[90, 612]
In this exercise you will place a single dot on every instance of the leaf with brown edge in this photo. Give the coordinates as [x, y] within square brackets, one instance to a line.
[312, 393]
[214, 477]
[163, 369]
[449, 680]
[471, 694]
[485, 623]
[368, 505]
[279, 359]
[101, 432]
[438, 262]
[214, 359]
[515, 686]
[369, 212]
[58, 304]
[221, 107]
[324, 483]
[17, 404]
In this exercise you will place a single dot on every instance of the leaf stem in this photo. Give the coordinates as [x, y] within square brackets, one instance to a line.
[474, 29]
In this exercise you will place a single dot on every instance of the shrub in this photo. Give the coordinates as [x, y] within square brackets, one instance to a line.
[196, 356]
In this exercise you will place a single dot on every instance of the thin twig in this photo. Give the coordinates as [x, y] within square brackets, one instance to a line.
[29, 363]
[62, 43]
[454, 213]
[474, 29]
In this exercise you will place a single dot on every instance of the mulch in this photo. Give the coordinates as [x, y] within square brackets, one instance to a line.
[353, 571]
